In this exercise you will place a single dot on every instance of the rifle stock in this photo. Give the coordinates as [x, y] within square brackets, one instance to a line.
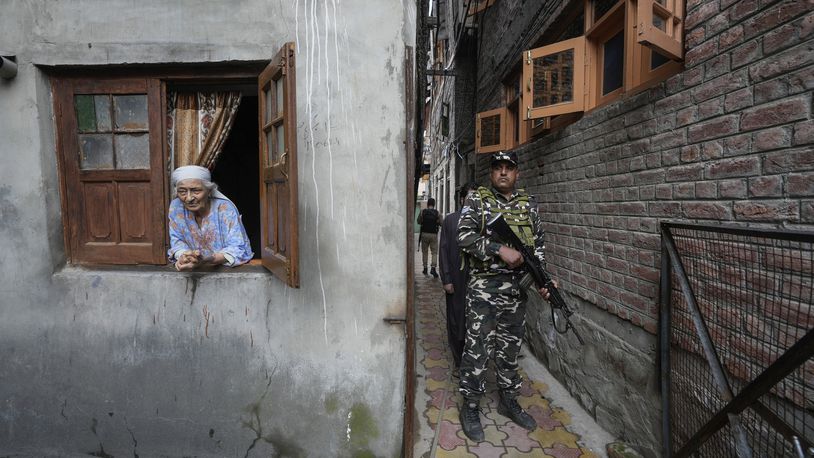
[532, 265]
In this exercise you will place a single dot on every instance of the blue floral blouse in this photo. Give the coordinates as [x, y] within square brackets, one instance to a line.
[221, 231]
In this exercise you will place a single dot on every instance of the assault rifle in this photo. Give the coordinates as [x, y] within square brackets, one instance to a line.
[560, 312]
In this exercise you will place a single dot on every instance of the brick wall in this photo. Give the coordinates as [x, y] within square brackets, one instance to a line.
[728, 139]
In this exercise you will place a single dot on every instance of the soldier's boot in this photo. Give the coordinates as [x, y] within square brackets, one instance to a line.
[469, 415]
[433, 272]
[424, 271]
[508, 407]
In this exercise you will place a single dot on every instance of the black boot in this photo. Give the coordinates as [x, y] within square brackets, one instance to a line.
[433, 272]
[470, 420]
[508, 407]
[424, 271]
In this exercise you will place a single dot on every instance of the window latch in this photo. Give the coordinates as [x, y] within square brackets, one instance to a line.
[528, 57]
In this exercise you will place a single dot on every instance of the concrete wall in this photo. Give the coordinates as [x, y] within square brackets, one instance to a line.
[728, 139]
[149, 362]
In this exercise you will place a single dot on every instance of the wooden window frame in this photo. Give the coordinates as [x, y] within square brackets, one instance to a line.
[669, 42]
[278, 172]
[158, 78]
[587, 75]
[502, 114]
[578, 82]
[600, 32]
[479, 5]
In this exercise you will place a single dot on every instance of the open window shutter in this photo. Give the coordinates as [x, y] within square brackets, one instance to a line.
[553, 79]
[110, 142]
[278, 165]
[660, 26]
[491, 131]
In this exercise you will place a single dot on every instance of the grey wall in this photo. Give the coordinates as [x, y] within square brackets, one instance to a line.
[142, 361]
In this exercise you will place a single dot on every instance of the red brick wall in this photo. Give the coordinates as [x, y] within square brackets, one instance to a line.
[730, 138]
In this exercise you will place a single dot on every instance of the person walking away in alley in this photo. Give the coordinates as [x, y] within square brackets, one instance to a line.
[454, 275]
[430, 220]
[495, 301]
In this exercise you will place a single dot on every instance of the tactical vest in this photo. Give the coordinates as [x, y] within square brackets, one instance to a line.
[518, 218]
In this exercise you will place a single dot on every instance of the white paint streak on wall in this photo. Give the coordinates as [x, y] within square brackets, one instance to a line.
[328, 99]
[311, 32]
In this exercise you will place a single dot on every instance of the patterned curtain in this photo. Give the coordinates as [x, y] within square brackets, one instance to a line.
[198, 124]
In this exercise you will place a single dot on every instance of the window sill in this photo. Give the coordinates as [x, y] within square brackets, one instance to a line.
[253, 267]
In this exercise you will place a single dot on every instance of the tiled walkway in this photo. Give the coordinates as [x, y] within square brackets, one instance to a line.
[437, 400]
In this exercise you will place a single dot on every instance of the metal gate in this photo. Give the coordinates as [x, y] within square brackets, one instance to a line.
[736, 342]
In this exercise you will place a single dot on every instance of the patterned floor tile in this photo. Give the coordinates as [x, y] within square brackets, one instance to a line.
[448, 438]
[558, 435]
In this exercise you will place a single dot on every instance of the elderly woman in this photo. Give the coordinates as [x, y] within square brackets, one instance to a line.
[205, 226]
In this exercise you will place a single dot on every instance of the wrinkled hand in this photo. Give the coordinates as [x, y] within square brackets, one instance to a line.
[544, 291]
[449, 288]
[189, 260]
[510, 256]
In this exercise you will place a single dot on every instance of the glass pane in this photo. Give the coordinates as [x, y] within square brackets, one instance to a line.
[280, 96]
[490, 130]
[657, 60]
[130, 112]
[95, 151]
[601, 8]
[574, 29]
[85, 113]
[268, 101]
[659, 22]
[102, 103]
[280, 134]
[132, 151]
[269, 148]
[613, 57]
[553, 78]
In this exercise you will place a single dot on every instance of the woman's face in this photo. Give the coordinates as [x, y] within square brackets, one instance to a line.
[193, 194]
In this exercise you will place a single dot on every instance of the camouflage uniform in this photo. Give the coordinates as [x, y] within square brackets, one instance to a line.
[495, 302]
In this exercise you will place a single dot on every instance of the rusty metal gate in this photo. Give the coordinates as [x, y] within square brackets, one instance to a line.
[736, 342]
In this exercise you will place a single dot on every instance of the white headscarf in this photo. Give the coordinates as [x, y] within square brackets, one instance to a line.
[195, 172]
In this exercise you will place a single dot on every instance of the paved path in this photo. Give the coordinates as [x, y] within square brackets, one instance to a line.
[439, 431]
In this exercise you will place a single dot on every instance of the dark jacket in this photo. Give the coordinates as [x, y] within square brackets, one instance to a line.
[430, 220]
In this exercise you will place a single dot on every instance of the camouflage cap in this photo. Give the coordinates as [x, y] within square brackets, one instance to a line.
[510, 156]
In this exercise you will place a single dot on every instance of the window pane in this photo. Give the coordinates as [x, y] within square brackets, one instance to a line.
[601, 8]
[490, 130]
[657, 60]
[96, 151]
[270, 147]
[659, 22]
[85, 113]
[553, 78]
[280, 96]
[613, 57]
[130, 112]
[280, 134]
[132, 151]
[268, 101]
[102, 103]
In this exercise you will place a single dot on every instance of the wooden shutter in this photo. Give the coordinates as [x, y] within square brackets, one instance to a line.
[490, 131]
[110, 153]
[553, 79]
[660, 26]
[278, 166]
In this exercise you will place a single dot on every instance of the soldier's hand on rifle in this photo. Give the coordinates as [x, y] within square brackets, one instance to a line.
[510, 256]
[544, 291]
[449, 288]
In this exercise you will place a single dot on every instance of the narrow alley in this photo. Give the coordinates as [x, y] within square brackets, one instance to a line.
[564, 431]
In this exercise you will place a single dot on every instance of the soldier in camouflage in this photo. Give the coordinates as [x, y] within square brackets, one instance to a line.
[495, 302]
